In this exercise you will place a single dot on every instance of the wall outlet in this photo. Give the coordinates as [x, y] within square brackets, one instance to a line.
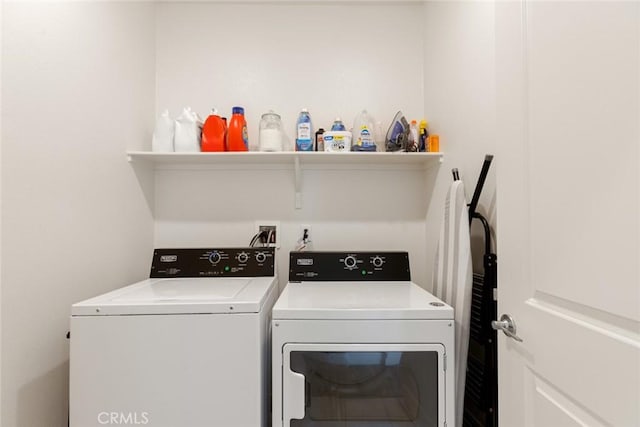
[271, 231]
[304, 227]
[304, 239]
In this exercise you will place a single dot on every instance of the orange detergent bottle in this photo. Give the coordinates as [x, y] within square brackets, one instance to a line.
[434, 143]
[214, 133]
[237, 139]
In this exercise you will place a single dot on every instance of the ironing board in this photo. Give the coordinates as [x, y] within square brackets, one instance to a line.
[453, 280]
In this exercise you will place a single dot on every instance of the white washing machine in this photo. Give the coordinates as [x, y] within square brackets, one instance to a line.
[356, 344]
[187, 347]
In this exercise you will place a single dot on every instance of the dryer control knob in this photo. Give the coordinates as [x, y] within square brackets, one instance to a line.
[377, 261]
[214, 258]
[350, 261]
[243, 257]
[261, 257]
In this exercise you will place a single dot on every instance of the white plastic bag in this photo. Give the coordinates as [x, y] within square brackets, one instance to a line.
[188, 132]
[163, 134]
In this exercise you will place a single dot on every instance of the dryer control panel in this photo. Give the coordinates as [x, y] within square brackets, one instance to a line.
[229, 262]
[349, 266]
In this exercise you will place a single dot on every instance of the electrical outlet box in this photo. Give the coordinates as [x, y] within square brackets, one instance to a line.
[304, 227]
[272, 231]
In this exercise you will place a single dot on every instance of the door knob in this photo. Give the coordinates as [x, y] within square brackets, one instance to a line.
[507, 325]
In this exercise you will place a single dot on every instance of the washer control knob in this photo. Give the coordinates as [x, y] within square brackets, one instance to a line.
[214, 258]
[243, 257]
[261, 257]
[350, 261]
[377, 261]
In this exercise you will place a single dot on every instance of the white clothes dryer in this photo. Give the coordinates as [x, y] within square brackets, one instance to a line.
[356, 344]
[187, 347]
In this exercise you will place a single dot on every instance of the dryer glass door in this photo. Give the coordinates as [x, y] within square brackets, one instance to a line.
[363, 385]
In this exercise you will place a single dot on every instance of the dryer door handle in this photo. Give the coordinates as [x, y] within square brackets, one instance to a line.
[294, 396]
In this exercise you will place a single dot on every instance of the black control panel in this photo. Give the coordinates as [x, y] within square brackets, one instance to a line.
[235, 262]
[349, 266]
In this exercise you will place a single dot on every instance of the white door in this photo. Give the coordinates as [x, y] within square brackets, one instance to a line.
[568, 95]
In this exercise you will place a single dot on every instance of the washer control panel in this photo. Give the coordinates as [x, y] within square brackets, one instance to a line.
[349, 266]
[229, 262]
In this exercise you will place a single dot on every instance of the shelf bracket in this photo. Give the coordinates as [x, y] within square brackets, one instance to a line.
[297, 183]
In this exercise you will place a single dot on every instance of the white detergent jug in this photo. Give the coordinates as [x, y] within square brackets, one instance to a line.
[163, 134]
[188, 132]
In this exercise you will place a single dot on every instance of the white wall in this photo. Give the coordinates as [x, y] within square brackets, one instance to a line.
[348, 210]
[459, 101]
[76, 221]
[334, 59]
[1, 145]
[77, 92]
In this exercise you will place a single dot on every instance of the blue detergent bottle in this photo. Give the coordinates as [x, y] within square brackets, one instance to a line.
[337, 124]
[304, 132]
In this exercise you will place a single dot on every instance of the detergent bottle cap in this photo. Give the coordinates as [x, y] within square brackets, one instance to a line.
[237, 110]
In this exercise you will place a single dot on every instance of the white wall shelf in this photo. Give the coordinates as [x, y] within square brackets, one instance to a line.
[329, 160]
[287, 160]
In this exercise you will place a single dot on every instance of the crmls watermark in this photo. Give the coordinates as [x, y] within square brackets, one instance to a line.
[123, 418]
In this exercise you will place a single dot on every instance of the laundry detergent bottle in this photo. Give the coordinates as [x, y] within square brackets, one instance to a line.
[337, 124]
[304, 132]
[363, 133]
[237, 139]
[213, 133]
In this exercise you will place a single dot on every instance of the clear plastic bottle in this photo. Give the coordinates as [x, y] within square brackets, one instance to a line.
[363, 133]
[304, 132]
[337, 124]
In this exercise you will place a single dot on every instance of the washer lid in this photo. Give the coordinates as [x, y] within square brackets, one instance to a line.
[359, 300]
[181, 296]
